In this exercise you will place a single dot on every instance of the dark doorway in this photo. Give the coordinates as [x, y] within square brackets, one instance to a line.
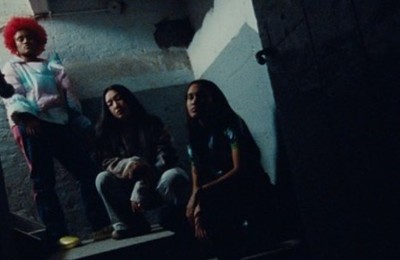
[334, 68]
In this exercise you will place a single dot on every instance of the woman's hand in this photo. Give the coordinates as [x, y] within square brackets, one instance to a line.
[130, 169]
[29, 121]
[52, 101]
[190, 209]
[192, 204]
[136, 207]
[32, 125]
[199, 231]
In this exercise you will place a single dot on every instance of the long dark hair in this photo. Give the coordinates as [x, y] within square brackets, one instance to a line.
[108, 128]
[221, 115]
[107, 123]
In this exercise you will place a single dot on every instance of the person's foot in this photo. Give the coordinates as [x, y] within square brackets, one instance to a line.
[102, 233]
[131, 232]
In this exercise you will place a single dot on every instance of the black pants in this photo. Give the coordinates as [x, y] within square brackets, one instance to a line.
[57, 142]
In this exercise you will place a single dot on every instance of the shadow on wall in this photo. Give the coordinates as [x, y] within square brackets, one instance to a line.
[198, 10]
[173, 33]
[287, 207]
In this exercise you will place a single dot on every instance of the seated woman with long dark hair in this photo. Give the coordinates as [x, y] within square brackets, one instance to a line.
[226, 171]
[139, 162]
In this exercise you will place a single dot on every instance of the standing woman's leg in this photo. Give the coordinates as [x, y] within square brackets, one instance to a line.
[74, 156]
[38, 153]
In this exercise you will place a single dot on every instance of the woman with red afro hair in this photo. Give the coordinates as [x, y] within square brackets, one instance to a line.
[41, 125]
[24, 23]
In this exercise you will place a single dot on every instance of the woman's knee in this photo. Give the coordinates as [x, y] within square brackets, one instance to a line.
[102, 181]
[174, 185]
[172, 178]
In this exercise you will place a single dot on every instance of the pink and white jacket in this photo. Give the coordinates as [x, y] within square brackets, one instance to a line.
[41, 88]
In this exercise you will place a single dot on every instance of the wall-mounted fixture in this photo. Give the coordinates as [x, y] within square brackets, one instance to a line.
[39, 7]
[42, 8]
[115, 7]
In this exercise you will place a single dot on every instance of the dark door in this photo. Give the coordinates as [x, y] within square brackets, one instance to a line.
[334, 68]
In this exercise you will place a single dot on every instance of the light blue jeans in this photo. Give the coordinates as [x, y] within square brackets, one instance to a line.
[173, 187]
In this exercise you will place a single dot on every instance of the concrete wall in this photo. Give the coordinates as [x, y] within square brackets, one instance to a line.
[15, 7]
[223, 51]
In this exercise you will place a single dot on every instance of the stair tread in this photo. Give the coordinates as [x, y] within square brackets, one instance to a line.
[98, 247]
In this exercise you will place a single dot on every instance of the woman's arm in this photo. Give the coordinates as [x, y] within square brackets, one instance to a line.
[193, 201]
[17, 102]
[65, 85]
[19, 109]
[228, 175]
[195, 180]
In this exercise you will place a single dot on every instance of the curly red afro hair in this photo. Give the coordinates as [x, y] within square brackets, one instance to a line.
[23, 23]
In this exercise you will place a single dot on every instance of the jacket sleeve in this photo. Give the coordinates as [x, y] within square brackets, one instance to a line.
[118, 165]
[64, 83]
[71, 98]
[166, 156]
[17, 103]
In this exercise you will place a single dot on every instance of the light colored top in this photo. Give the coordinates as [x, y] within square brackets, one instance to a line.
[40, 89]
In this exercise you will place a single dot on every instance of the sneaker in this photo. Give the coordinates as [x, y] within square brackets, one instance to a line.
[102, 234]
[131, 232]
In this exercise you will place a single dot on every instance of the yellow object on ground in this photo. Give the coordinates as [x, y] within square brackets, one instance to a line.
[68, 242]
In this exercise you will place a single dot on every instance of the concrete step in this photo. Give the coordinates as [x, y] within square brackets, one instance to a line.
[287, 250]
[149, 246]
[158, 244]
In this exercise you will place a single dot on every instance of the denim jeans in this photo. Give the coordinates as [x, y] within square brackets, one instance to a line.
[173, 187]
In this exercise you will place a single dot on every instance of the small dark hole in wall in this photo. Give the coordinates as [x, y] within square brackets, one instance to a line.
[177, 33]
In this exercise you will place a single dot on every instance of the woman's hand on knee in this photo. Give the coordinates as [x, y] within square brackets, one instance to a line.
[136, 207]
[199, 231]
[129, 170]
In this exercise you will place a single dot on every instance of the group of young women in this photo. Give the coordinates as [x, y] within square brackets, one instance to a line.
[139, 167]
